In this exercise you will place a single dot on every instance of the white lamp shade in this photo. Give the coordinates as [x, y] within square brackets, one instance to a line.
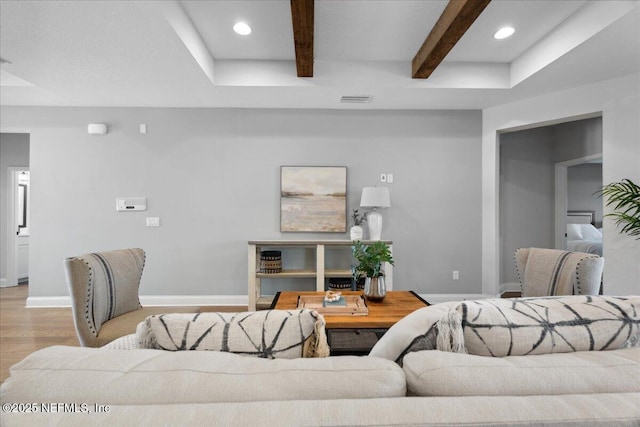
[375, 197]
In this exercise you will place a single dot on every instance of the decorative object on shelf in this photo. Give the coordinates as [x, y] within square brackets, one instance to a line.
[313, 198]
[356, 232]
[270, 262]
[339, 284]
[370, 259]
[625, 195]
[375, 197]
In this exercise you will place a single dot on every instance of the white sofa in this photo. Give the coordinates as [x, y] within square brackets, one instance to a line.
[432, 387]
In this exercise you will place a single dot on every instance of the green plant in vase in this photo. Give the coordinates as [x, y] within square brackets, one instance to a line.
[370, 259]
[356, 231]
[625, 196]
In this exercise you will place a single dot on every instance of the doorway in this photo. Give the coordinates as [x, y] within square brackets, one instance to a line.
[18, 225]
[579, 202]
[533, 163]
[14, 158]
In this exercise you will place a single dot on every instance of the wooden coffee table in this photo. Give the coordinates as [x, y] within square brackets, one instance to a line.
[358, 334]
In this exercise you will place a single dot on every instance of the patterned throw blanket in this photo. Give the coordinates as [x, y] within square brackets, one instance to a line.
[269, 334]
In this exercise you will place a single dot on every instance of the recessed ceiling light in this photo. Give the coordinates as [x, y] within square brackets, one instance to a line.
[503, 33]
[242, 28]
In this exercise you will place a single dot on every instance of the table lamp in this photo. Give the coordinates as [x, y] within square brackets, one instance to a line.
[375, 197]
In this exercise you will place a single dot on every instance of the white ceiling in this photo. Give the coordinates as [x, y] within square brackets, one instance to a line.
[185, 54]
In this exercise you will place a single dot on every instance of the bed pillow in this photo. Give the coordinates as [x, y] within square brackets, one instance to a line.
[589, 232]
[523, 326]
[574, 232]
[269, 334]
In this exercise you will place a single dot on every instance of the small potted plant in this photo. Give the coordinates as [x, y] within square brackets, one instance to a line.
[356, 231]
[370, 259]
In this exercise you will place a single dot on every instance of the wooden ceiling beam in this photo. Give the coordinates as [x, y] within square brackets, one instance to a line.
[302, 17]
[455, 20]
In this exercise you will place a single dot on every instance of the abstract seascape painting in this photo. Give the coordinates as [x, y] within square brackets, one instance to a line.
[313, 199]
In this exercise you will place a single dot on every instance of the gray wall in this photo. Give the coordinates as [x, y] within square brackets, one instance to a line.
[527, 161]
[582, 181]
[526, 194]
[576, 139]
[14, 151]
[212, 176]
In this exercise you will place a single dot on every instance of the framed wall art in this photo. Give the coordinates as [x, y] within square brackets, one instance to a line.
[313, 199]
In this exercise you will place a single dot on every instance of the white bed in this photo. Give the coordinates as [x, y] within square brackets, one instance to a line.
[582, 235]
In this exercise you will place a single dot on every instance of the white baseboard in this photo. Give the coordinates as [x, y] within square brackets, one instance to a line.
[153, 300]
[228, 300]
[192, 300]
[4, 283]
[436, 298]
[510, 287]
[48, 302]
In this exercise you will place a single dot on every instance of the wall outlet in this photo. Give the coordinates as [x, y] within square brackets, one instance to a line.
[456, 275]
[383, 177]
[153, 222]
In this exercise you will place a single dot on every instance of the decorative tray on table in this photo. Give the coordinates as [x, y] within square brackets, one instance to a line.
[348, 305]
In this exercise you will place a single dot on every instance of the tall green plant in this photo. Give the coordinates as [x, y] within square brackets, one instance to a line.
[625, 198]
[370, 258]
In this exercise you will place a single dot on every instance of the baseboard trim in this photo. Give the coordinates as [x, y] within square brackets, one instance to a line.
[227, 300]
[4, 283]
[152, 301]
[48, 302]
[192, 300]
[437, 298]
[510, 287]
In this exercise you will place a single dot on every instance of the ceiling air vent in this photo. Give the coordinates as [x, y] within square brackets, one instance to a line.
[356, 99]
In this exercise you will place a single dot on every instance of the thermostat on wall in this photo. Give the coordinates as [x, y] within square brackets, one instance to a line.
[131, 204]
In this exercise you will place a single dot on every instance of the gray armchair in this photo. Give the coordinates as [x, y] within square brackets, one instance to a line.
[545, 272]
[104, 295]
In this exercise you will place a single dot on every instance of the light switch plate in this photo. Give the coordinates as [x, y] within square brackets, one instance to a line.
[383, 177]
[153, 221]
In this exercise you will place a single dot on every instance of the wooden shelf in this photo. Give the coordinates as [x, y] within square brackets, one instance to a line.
[337, 273]
[320, 273]
[288, 273]
[304, 274]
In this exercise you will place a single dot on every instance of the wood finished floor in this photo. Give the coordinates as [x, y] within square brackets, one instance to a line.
[25, 330]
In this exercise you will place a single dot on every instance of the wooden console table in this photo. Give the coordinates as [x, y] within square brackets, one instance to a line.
[320, 272]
